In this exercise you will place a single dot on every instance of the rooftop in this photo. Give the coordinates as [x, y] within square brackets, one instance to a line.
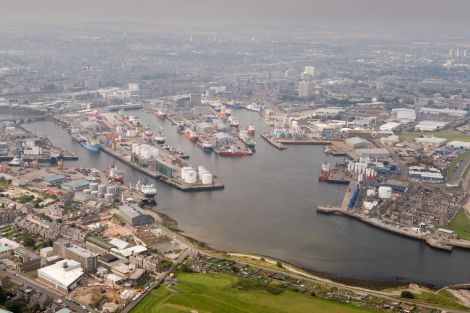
[64, 272]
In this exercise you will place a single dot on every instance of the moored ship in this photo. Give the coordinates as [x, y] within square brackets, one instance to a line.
[325, 171]
[205, 146]
[92, 145]
[250, 130]
[233, 151]
[247, 140]
[191, 135]
[161, 114]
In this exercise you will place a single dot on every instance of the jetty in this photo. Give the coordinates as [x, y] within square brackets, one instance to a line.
[174, 182]
[268, 137]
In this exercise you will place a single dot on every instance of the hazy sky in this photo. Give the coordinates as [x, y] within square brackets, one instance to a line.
[432, 15]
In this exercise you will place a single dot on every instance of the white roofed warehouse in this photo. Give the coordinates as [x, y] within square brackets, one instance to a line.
[135, 216]
[62, 275]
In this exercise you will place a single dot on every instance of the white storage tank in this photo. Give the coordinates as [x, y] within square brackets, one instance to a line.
[110, 189]
[183, 171]
[101, 188]
[147, 154]
[93, 186]
[190, 176]
[370, 192]
[87, 191]
[100, 195]
[385, 192]
[134, 146]
[206, 178]
[109, 197]
[94, 194]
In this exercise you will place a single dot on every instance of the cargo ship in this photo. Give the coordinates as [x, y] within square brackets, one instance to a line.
[205, 146]
[250, 130]
[325, 171]
[233, 151]
[192, 136]
[92, 145]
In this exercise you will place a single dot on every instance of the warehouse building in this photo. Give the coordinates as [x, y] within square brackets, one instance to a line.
[389, 127]
[62, 275]
[358, 143]
[459, 144]
[430, 125]
[404, 115]
[134, 215]
[435, 142]
[375, 153]
[85, 257]
[446, 112]
[77, 185]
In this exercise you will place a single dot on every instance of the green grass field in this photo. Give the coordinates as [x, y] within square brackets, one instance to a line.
[461, 225]
[447, 134]
[214, 293]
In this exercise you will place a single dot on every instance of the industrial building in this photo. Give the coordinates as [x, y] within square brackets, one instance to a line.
[435, 142]
[134, 215]
[62, 275]
[358, 143]
[389, 127]
[459, 144]
[375, 153]
[447, 112]
[430, 125]
[77, 185]
[390, 140]
[85, 257]
[404, 115]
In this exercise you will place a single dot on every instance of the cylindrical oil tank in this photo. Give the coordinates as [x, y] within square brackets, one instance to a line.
[183, 171]
[93, 186]
[87, 191]
[94, 194]
[137, 149]
[206, 178]
[101, 188]
[110, 189]
[190, 176]
[100, 195]
[109, 197]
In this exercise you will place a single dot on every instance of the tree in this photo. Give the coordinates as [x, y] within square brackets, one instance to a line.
[407, 294]
[279, 264]
[29, 242]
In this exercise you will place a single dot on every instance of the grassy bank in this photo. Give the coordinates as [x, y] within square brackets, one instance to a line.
[461, 225]
[450, 135]
[216, 293]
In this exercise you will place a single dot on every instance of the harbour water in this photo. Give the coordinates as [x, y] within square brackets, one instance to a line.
[268, 208]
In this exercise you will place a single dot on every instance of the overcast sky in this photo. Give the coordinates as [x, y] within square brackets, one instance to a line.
[422, 15]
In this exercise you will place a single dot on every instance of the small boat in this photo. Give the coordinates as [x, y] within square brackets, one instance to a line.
[180, 128]
[250, 130]
[160, 139]
[325, 171]
[254, 107]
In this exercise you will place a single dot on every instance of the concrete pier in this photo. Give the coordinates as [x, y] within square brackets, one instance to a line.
[267, 136]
